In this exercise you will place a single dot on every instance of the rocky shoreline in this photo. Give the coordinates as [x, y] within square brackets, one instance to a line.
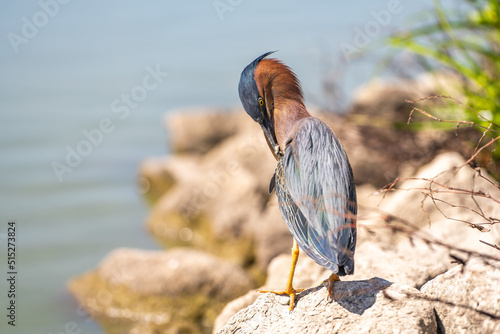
[225, 237]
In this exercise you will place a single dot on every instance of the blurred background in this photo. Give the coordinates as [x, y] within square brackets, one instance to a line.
[106, 73]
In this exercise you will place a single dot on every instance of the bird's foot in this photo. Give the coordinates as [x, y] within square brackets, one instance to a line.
[332, 279]
[289, 291]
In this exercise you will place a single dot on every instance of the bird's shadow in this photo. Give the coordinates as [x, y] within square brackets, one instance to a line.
[354, 296]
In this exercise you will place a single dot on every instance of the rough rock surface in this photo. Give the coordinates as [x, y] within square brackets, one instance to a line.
[200, 272]
[369, 306]
[403, 263]
[152, 291]
[159, 175]
[307, 274]
[234, 307]
[467, 300]
[460, 296]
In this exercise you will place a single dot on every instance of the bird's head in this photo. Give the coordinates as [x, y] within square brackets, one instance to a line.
[266, 84]
[250, 96]
[253, 100]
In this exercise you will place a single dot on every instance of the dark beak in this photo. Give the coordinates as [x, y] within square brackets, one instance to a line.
[268, 129]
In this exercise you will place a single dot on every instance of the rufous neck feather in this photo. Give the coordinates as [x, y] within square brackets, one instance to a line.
[283, 96]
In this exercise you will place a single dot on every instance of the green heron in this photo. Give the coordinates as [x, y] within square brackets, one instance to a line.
[313, 178]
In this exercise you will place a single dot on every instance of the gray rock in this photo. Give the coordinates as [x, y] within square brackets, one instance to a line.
[137, 291]
[158, 175]
[157, 273]
[307, 274]
[406, 264]
[467, 299]
[370, 306]
[197, 130]
[234, 307]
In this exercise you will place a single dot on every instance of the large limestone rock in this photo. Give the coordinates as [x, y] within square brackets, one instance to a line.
[159, 292]
[467, 299]
[307, 274]
[459, 293]
[198, 130]
[404, 263]
[369, 306]
[409, 265]
[159, 175]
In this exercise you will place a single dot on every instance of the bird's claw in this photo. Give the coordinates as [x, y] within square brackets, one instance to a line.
[290, 292]
[332, 279]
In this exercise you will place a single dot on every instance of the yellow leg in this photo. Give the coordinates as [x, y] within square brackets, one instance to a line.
[332, 279]
[289, 290]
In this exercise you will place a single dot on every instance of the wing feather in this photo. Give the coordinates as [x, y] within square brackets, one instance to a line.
[317, 196]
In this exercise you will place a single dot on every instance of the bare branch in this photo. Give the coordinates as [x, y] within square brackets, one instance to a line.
[434, 97]
[441, 184]
[491, 245]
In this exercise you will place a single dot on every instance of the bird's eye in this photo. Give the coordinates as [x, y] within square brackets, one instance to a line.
[261, 101]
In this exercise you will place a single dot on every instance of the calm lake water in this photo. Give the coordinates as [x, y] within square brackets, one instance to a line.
[80, 109]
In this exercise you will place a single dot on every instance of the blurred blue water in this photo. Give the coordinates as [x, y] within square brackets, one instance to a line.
[64, 80]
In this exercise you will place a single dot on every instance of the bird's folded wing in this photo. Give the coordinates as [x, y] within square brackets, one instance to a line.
[317, 196]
